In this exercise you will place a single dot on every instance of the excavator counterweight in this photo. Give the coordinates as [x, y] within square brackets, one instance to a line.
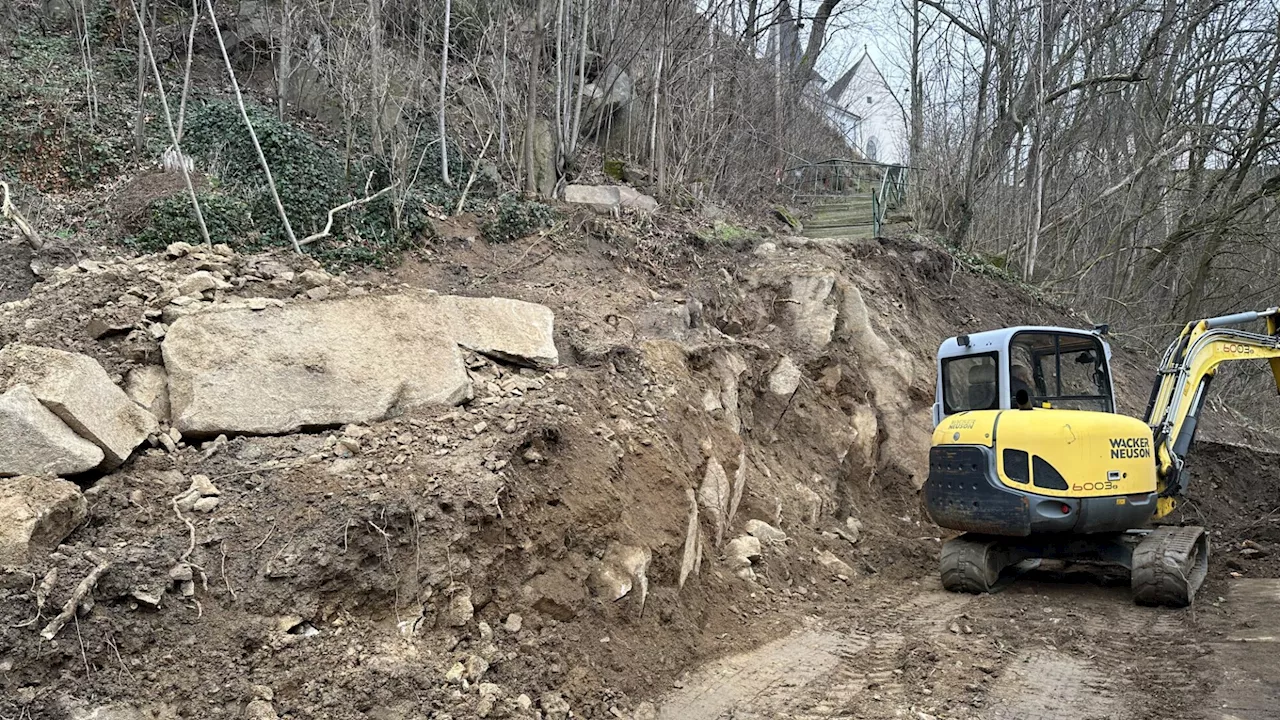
[1031, 461]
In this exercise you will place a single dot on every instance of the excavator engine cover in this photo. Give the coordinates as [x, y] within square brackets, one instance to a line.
[1022, 472]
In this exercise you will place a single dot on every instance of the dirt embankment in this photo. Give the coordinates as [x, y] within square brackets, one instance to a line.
[452, 563]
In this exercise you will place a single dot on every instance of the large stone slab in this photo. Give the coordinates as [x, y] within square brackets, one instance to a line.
[34, 441]
[77, 389]
[512, 330]
[344, 361]
[609, 199]
[36, 514]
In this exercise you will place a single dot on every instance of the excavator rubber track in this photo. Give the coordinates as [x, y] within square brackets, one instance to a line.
[972, 565]
[1169, 565]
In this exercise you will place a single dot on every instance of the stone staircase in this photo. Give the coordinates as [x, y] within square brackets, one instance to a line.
[838, 216]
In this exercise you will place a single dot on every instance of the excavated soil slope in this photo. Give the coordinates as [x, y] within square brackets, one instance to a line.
[452, 567]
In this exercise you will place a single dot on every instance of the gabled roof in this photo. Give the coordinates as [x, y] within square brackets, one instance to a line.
[842, 84]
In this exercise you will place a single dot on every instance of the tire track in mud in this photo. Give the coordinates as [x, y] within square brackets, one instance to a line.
[1096, 656]
[820, 673]
[767, 682]
[1046, 684]
[1123, 662]
[1248, 677]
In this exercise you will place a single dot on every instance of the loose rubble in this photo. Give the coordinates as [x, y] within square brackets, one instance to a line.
[34, 441]
[36, 514]
[78, 390]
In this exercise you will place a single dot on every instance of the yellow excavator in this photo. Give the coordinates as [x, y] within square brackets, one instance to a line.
[1031, 461]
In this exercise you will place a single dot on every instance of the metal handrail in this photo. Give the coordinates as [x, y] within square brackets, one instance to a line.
[838, 177]
[892, 192]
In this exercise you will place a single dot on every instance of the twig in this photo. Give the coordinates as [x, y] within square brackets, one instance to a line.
[191, 546]
[328, 226]
[80, 638]
[519, 260]
[475, 168]
[264, 540]
[111, 641]
[49, 578]
[223, 547]
[69, 609]
[29, 233]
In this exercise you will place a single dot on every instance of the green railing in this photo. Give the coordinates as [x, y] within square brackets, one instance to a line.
[833, 177]
[891, 194]
[887, 185]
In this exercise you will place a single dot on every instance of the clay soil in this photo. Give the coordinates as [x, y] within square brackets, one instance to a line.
[330, 586]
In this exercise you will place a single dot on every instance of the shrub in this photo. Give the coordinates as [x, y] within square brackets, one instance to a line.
[172, 219]
[516, 218]
[308, 177]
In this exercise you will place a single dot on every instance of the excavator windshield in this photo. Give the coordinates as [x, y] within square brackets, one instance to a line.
[1059, 370]
[1030, 367]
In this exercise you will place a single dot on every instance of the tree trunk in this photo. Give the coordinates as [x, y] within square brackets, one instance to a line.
[817, 39]
[917, 87]
[140, 120]
[377, 83]
[285, 66]
[253, 135]
[531, 104]
[168, 119]
[444, 82]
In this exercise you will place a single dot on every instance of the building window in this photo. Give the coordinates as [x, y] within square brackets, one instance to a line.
[872, 150]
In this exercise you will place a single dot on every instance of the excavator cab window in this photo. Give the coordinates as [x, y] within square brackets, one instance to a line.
[971, 383]
[1065, 371]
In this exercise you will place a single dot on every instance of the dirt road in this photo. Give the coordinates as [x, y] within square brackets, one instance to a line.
[1045, 649]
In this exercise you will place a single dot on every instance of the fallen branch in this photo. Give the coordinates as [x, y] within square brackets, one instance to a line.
[328, 226]
[11, 213]
[85, 587]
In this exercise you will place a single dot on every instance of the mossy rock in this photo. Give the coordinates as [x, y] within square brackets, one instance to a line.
[615, 169]
[788, 217]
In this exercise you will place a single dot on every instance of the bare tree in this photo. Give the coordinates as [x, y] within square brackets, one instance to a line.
[253, 135]
[173, 133]
[444, 84]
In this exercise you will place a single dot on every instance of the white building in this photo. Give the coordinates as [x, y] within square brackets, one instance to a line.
[872, 118]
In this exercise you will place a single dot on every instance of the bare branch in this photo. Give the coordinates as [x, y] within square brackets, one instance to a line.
[10, 213]
[328, 226]
[1131, 77]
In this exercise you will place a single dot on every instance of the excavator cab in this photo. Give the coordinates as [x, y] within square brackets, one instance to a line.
[1024, 368]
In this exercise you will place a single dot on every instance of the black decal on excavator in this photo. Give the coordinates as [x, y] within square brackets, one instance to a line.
[1127, 448]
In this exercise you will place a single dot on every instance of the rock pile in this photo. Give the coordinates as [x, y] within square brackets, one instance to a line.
[250, 346]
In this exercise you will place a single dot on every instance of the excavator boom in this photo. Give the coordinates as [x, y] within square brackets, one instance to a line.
[1179, 392]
